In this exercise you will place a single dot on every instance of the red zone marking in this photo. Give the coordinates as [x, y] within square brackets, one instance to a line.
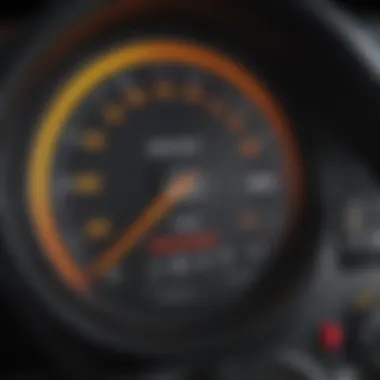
[171, 244]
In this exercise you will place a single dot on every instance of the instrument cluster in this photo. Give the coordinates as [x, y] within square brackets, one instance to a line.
[176, 189]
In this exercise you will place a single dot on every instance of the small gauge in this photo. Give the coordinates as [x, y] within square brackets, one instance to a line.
[361, 231]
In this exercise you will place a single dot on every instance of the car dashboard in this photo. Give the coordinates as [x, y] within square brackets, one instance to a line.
[190, 190]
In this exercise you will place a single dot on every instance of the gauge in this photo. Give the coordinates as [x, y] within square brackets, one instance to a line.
[161, 183]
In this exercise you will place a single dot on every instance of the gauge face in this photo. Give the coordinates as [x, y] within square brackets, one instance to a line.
[162, 180]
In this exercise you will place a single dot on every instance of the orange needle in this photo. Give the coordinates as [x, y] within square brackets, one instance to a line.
[177, 189]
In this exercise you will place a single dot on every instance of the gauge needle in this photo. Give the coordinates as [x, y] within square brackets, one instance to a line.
[178, 188]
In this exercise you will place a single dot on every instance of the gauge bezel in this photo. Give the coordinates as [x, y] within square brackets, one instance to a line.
[38, 274]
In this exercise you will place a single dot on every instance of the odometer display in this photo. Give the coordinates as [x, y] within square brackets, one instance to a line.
[162, 180]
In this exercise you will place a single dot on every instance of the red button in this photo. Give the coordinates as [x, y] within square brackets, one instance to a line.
[331, 336]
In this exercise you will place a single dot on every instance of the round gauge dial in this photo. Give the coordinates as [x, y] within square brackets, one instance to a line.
[162, 180]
